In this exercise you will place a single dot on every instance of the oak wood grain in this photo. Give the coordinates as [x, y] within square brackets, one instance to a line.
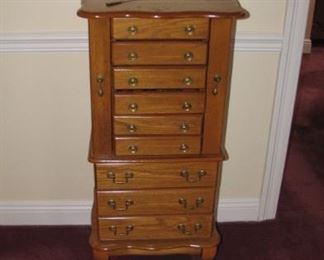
[159, 103]
[156, 175]
[156, 227]
[155, 202]
[176, 28]
[220, 49]
[183, 145]
[158, 125]
[159, 53]
[101, 110]
[159, 78]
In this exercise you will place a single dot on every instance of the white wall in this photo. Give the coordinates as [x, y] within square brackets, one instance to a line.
[45, 113]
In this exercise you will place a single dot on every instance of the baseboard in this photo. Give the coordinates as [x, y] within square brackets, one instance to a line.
[78, 212]
[307, 46]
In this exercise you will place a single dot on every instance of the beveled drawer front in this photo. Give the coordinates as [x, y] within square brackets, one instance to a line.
[159, 53]
[161, 78]
[150, 228]
[159, 103]
[156, 175]
[136, 28]
[146, 202]
[157, 145]
[158, 125]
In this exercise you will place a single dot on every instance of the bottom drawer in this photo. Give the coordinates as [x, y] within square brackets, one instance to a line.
[157, 145]
[150, 228]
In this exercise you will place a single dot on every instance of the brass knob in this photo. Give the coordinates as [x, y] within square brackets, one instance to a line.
[133, 107]
[197, 226]
[127, 176]
[131, 128]
[114, 229]
[187, 81]
[217, 79]
[189, 29]
[183, 202]
[132, 149]
[199, 202]
[100, 80]
[184, 127]
[132, 30]
[186, 106]
[132, 82]
[113, 204]
[201, 174]
[184, 148]
[188, 56]
[132, 56]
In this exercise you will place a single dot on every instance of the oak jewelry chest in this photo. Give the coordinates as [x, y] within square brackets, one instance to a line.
[159, 78]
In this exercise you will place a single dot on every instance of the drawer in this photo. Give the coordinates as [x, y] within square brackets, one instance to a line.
[137, 28]
[156, 175]
[158, 125]
[159, 78]
[148, 202]
[159, 103]
[159, 53]
[157, 145]
[151, 228]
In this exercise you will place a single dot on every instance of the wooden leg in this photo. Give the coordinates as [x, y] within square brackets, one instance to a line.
[208, 253]
[100, 255]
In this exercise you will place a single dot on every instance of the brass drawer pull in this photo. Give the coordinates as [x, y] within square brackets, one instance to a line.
[133, 107]
[100, 80]
[187, 106]
[113, 205]
[189, 232]
[184, 127]
[217, 79]
[188, 81]
[189, 29]
[184, 203]
[184, 148]
[132, 30]
[185, 174]
[132, 56]
[132, 82]
[114, 229]
[199, 202]
[131, 128]
[127, 176]
[132, 149]
[188, 56]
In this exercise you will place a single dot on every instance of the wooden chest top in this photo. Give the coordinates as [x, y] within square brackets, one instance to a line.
[160, 8]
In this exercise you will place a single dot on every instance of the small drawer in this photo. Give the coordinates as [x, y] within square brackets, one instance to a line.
[151, 228]
[159, 103]
[157, 145]
[159, 53]
[148, 202]
[158, 125]
[138, 28]
[159, 78]
[156, 175]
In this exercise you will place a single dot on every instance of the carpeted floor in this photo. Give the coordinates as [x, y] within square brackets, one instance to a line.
[296, 234]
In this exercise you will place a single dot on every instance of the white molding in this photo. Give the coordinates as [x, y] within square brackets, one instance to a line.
[43, 42]
[78, 42]
[257, 42]
[78, 212]
[289, 70]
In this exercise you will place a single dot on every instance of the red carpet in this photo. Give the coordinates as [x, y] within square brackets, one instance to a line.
[296, 234]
